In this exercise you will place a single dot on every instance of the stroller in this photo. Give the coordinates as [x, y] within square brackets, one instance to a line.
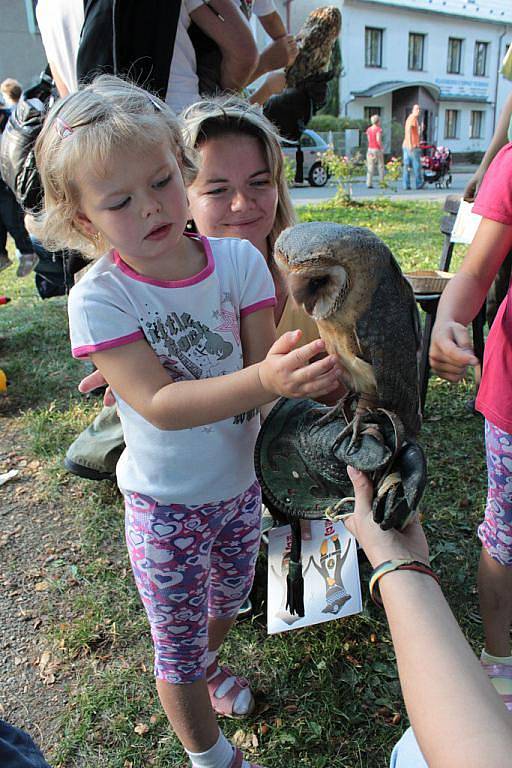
[436, 163]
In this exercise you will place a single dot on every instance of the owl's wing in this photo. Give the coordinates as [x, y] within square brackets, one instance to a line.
[389, 335]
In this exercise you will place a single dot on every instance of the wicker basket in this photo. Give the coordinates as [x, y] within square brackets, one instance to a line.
[428, 280]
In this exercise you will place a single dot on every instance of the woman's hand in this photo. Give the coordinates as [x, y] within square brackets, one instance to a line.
[380, 545]
[287, 371]
[451, 351]
[94, 381]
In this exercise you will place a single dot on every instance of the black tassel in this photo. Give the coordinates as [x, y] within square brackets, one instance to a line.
[295, 589]
[294, 580]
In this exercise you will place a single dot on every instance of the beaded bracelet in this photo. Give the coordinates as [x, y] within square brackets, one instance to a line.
[397, 565]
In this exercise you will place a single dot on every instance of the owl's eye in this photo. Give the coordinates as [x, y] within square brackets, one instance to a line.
[316, 283]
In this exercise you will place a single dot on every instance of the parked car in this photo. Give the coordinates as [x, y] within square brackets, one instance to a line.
[313, 146]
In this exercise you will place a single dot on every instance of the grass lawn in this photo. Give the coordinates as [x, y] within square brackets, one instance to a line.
[329, 696]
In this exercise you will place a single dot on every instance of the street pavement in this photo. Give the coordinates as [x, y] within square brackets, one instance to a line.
[304, 194]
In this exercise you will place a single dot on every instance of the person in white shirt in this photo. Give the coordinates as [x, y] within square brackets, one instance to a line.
[60, 23]
[182, 328]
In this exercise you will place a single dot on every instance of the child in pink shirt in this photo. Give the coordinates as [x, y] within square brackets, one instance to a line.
[450, 354]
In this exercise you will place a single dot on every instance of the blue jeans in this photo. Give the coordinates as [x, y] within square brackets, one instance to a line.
[406, 753]
[412, 159]
[17, 750]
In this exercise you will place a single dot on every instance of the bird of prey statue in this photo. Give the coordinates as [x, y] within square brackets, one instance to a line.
[347, 279]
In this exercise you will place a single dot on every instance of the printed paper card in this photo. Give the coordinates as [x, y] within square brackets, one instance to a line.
[465, 225]
[332, 588]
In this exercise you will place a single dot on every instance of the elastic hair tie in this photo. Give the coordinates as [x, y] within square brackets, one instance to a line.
[396, 565]
[63, 129]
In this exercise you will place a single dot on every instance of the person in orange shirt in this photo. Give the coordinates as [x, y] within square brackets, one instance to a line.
[411, 150]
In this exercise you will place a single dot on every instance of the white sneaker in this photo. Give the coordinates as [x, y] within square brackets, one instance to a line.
[26, 263]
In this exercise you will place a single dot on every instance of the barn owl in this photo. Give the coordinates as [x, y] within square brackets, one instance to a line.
[349, 282]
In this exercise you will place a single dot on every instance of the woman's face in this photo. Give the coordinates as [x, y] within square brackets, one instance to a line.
[233, 194]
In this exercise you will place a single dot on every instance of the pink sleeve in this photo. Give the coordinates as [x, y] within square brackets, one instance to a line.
[494, 199]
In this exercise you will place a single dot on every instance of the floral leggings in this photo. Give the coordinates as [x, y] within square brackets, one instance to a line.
[191, 563]
[495, 532]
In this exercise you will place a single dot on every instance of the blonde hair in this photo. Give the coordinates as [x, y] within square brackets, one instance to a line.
[87, 128]
[375, 119]
[11, 88]
[229, 115]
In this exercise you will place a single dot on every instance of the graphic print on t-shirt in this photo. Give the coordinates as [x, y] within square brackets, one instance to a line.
[192, 349]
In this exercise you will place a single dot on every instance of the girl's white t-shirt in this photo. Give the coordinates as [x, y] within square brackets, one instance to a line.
[193, 326]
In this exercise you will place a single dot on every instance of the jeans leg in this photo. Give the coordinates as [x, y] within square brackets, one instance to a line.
[12, 218]
[416, 165]
[406, 183]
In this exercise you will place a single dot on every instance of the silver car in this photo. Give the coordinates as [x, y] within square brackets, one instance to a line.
[312, 146]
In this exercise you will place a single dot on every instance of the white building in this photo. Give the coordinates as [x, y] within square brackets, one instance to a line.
[444, 55]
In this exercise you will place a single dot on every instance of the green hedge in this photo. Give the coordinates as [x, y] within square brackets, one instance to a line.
[331, 123]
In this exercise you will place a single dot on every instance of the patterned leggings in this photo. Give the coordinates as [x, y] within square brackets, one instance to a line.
[495, 532]
[191, 563]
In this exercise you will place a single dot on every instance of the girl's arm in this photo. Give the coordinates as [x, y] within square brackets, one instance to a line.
[450, 350]
[458, 718]
[499, 139]
[136, 374]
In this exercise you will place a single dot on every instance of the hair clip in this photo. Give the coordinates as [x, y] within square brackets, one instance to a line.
[63, 129]
[155, 103]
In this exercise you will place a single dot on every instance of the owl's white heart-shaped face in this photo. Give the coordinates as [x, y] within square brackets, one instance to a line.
[320, 291]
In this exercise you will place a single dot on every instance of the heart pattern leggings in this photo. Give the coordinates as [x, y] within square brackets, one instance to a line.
[191, 563]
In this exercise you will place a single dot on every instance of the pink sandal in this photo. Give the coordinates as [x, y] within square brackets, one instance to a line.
[238, 759]
[224, 705]
[497, 671]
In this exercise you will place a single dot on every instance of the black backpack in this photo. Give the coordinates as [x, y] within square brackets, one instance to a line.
[17, 160]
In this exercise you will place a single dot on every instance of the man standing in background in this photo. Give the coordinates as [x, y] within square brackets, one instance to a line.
[411, 150]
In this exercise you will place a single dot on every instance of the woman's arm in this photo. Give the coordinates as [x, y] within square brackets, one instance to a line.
[450, 350]
[458, 718]
[136, 374]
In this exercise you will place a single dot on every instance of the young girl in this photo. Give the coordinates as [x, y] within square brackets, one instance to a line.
[450, 354]
[182, 328]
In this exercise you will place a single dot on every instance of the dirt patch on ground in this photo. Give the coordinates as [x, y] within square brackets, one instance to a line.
[34, 536]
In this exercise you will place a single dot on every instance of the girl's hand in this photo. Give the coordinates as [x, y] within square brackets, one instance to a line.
[287, 371]
[451, 351]
[380, 545]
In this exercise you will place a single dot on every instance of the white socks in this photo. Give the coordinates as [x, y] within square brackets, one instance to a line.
[218, 756]
[488, 658]
[244, 702]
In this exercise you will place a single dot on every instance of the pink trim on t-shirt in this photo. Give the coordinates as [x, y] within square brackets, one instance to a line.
[202, 275]
[86, 350]
[271, 302]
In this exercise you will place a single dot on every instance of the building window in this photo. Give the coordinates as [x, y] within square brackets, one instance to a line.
[454, 55]
[476, 127]
[480, 60]
[451, 119]
[416, 51]
[373, 46]
[369, 111]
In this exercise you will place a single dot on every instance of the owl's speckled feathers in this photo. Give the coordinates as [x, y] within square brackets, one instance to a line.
[347, 279]
[315, 42]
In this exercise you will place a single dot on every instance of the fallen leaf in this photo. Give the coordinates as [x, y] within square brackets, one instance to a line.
[141, 729]
[255, 742]
[238, 738]
[41, 586]
[44, 660]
